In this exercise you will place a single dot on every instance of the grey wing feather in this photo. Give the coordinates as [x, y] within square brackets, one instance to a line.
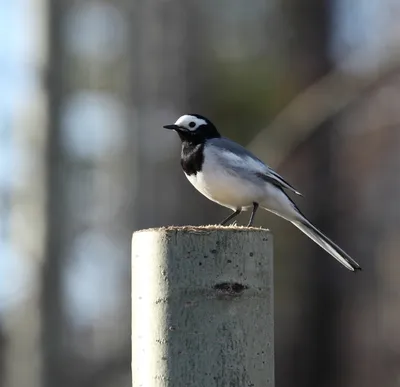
[274, 178]
[267, 173]
[231, 146]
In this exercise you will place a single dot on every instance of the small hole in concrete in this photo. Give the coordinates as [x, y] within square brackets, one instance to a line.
[231, 288]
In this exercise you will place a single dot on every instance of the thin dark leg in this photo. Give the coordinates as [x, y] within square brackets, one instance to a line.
[255, 207]
[231, 216]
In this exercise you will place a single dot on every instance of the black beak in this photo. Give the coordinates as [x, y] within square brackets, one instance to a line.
[172, 127]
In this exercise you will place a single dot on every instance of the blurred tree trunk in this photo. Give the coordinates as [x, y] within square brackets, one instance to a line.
[52, 307]
[316, 356]
[368, 156]
[168, 48]
[90, 193]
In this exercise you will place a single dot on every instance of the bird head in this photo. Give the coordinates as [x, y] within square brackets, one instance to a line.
[194, 127]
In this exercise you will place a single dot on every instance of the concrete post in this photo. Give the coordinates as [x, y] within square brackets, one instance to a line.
[202, 307]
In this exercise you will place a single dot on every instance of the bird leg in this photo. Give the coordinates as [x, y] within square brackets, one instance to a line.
[231, 216]
[255, 207]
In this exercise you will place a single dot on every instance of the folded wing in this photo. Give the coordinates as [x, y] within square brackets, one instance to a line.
[240, 158]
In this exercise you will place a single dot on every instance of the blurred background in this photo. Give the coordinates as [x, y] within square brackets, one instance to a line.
[311, 86]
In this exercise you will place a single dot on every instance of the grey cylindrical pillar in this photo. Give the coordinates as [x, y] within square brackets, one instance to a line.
[202, 307]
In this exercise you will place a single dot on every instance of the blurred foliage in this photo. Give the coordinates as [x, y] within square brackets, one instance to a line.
[247, 95]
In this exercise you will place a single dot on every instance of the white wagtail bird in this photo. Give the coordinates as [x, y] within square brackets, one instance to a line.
[231, 176]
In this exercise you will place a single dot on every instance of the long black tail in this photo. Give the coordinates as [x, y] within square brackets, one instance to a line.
[323, 241]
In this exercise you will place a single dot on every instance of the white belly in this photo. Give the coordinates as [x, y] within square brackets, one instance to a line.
[227, 189]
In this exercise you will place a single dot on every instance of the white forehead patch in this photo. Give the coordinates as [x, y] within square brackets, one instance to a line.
[186, 122]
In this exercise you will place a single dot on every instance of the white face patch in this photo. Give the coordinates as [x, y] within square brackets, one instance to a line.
[190, 122]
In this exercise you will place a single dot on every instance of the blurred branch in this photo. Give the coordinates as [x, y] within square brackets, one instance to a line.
[318, 103]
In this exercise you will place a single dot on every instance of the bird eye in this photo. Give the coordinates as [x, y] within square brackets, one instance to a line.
[192, 124]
